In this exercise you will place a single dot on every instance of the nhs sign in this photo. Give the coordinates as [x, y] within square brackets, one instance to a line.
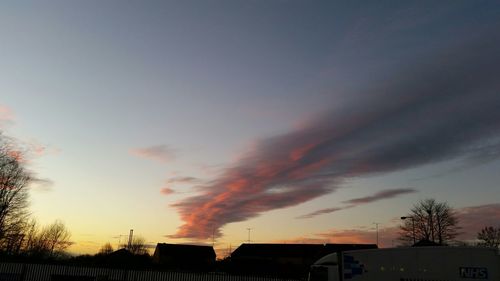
[474, 272]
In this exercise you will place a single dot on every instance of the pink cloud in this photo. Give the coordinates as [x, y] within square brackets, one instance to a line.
[160, 153]
[6, 116]
[473, 219]
[373, 136]
[166, 191]
[35, 149]
[388, 237]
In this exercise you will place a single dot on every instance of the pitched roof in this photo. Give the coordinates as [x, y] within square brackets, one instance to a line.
[120, 253]
[180, 250]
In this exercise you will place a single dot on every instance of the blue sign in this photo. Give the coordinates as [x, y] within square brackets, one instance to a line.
[352, 267]
[474, 272]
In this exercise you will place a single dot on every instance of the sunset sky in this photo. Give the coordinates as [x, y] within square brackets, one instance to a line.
[305, 121]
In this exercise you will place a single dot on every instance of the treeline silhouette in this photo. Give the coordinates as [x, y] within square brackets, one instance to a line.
[20, 235]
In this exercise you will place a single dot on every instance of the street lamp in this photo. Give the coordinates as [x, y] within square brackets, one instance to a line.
[413, 226]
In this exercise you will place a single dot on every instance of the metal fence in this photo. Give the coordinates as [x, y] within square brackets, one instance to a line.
[48, 272]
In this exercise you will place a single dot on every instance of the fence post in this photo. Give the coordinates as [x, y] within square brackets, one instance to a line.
[23, 272]
[125, 275]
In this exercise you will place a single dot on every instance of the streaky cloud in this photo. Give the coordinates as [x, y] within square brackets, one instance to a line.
[41, 184]
[471, 219]
[183, 180]
[166, 191]
[445, 107]
[6, 116]
[323, 211]
[160, 153]
[387, 236]
[384, 194]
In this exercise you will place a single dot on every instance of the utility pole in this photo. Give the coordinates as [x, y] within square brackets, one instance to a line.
[130, 239]
[249, 234]
[376, 225]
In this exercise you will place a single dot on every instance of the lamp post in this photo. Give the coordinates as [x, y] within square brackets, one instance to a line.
[413, 226]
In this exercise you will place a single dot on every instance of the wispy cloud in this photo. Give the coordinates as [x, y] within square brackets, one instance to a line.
[384, 194]
[323, 211]
[388, 236]
[473, 219]
[35, 149]
[444, 108]
[6, 116]
[41, 184]
[160, 153]
[183, 180]
[27, 150]
[166, 191]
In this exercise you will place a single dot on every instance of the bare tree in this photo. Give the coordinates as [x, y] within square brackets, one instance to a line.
[431, 221]
[489, 237]
[56, 237]
[14, 213]
[30, 236]
[49, 242]
[106, 249]
[137, 246]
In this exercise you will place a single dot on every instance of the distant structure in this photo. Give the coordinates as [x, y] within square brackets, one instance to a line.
[184, 257]
[287, 260]
[426, 243]
[123, 258]
[129, 245]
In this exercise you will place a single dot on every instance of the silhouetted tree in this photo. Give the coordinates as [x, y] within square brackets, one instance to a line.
[30, 236]
[50, 242]
[14, 180]
[137, 247]
[57, 238]
[489, 236]
[430, 221]
[106, 249]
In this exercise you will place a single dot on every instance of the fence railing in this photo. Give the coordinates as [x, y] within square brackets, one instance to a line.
[50, 272]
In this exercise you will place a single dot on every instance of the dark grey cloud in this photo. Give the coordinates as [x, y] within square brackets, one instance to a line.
[384, 194]
[183, 180]
[323, 211]
[41, 184]
[441, 108]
